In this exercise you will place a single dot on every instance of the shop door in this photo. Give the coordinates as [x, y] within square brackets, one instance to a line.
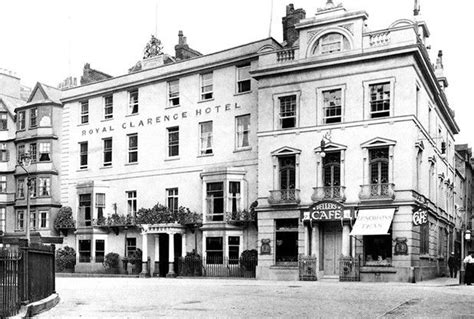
[332, 249]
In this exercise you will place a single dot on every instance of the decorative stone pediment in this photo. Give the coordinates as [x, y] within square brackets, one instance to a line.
[286, 150]
[331, 146]
[378, 142]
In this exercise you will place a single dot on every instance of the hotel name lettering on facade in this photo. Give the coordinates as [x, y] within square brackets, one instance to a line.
[327, 210]
[163, 118]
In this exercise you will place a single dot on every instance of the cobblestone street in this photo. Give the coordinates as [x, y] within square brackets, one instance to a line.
[186, 298]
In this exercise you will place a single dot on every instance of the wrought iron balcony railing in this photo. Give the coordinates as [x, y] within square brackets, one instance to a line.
[377, 191]
[336, 193]
[284, 197]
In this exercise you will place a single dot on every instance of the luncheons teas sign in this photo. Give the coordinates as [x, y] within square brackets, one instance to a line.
[326, 210]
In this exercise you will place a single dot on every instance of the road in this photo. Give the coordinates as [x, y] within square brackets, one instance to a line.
[227, 298]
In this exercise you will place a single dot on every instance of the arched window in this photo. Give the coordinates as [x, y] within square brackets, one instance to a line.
[330, 43]
[378, 165]
[332, 169]
[287, 172]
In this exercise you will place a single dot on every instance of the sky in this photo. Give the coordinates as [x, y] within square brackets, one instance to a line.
[48, 40]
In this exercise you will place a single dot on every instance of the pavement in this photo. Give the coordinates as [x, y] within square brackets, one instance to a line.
[119, 297]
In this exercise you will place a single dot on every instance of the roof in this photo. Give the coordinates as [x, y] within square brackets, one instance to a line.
[11, 103]
[42, 93]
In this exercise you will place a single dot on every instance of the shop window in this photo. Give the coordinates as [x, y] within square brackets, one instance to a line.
[99, 250]
[215, 201]
[45, 152]
[205, 137]
[3, 121]
[33, 117]
[172, 194]
[85, 203]
[243, 78]
[107, 151]
[132, 203]
[84, 112]
[287, 111]
[378, 250]
[83, 154]
[131, 246]
[173, 93]
[100, 205]
[379, 100]
[242, 131]
[132, 148]
[214, 250]
[206, 86]
[173, 141]
[84, 251]
[234, 249]
[133, 102]
[286, 250]
[108, 107]
[332, 106]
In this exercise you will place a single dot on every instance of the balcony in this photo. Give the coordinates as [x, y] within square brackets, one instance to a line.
[336, 193]
[377, 192]
[284, 197]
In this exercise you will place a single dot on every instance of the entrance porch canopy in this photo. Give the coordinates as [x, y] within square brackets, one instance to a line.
[164, 229]
[373, 222]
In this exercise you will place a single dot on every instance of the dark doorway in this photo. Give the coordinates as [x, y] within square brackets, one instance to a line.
[164, 255]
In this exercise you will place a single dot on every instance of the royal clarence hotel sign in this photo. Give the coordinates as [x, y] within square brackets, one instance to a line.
[326, 210]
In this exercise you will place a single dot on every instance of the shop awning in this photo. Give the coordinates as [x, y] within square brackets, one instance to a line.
[373, 222]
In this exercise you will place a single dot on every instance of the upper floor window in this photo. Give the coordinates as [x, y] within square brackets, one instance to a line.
[243, 78]
[3, 121]
[107, 151]
[3, 212]
[330, 43]
[379, 100]
[33, 116]
[85, 204]
[215, 201]
[287, 170]
[44, 151]
[242, 131]
[172, 198]
[108, 107]
[332, 169]
[83, 153]
[234, 197]
[33, 150]
[173, 93]
[20, 188]
[133, 102]
[20, 152]
[43, 219]
[131, 203]
[84, 112]
[4, 153]
[132, 148]
[21, 120]
[20, 220]
[332, 106]
[378, 165]
[3, 184]
[173, 141]
[44, 186]
[287, 111]
[100, 204]
[206, 137]
[206, 86]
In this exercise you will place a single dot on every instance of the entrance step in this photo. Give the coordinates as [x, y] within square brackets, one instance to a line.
[329, 279]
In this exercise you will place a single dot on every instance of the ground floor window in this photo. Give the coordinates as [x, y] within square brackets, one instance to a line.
[131, 246]
[214, 250]
[286, 249]
[425, 239]
[84, 251]
[234, 246]
[378, 250]
[99, 250]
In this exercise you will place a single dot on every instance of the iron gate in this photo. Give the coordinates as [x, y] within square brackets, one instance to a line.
[307, 266]
[349, 269]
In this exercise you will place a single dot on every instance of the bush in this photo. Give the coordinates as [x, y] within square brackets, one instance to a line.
[248, 259]
[135, 259]
[64, 218]
[65, 258]
[111, 261]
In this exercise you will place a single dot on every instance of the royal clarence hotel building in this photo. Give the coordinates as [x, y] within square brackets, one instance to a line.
[340, 139]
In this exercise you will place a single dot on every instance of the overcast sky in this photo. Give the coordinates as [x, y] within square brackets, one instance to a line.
[47, 40]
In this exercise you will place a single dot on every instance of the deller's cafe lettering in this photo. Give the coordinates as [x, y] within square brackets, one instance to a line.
[326, 210]
[163, 118]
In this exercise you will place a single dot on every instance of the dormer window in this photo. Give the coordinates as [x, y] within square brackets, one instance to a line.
[331, 43]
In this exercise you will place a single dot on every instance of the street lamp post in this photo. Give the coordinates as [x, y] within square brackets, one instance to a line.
[24, 162]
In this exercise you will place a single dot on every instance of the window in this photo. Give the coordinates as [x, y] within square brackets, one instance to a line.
[332, 169]
[20, 220]
[133, 102]
[4, 154]
[234, 249]
[33, 220]
[3, 211]
[20, 152]
[85, 203]
[379, 100]
[32, 187]
[108, 107]
[100, 205]
[378, 250]
[418, 160]
[33, 116]
[83, 148]
[3, 121]
[99, 250]
[442, 242]
[33, 152]
[84, 251]
[206, 86]
[172, 194]
[286, 250]
[287, 111]
[44, 186]
[206, 137]
[234, 197]
[287, 165]
[243, 78]
[242, 131]
[215, 201]
[132, 148]
[84, 112]
[332, 106]
[214, 250]
[20, 188]
[131, 246]
[330, 43]
[173, 93]
[173, 141]
[132, 203]
[107, 151]
[43, 219]
[21, 120]
[3, 184]
[378, 165]
[44, 152]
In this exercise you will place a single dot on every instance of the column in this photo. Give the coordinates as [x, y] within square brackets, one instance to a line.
[144, 272]
[346, 242]
[315, 241]
[306, 240]
[183, 245]
[171, 273]
[156, 270]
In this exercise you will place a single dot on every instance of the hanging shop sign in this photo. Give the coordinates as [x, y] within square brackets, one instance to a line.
[420, 217]
[326, 210]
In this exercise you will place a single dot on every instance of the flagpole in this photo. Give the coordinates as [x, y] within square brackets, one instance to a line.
[271, 19]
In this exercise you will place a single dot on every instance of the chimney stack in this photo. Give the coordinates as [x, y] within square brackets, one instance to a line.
[290, 34]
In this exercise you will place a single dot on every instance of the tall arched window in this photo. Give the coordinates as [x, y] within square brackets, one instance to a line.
[332, 169]
[378, 166]
[287, 172]
[330, 43]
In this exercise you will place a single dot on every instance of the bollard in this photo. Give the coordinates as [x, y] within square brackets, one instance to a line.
[411, 277]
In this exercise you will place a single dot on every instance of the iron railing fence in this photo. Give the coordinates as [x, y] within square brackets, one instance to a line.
[216, 266]
[10, 282]
[41, 271]
[349, 268]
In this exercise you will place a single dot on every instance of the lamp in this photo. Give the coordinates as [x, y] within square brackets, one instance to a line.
[24, 162]
[467, 235]
[323, 145]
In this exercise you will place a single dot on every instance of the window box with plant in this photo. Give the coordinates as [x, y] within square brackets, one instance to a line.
[114, 222]
[160, 214]
[64, 221]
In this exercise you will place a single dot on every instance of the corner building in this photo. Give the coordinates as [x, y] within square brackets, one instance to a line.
[356, 121]
[175, 132]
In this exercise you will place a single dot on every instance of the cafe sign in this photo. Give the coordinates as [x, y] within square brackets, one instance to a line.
[420, 217]
[326, 210]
